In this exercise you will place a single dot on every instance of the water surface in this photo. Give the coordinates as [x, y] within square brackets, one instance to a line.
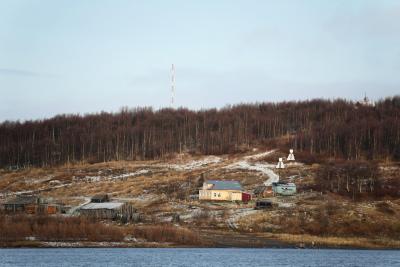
[196, 257]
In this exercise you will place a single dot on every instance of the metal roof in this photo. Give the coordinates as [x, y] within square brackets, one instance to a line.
[23, 200]
[225, 185]
[284, 184]
[104, 205]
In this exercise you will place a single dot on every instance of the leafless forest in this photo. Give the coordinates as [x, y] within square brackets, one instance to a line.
[338, 129]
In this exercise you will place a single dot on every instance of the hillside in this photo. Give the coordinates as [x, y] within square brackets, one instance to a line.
[162, 192]
[155, 162]
[323, 129]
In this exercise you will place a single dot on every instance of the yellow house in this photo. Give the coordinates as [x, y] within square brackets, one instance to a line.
[221, 190]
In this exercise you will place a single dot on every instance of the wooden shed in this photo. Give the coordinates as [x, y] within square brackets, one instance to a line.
[263, 204]
[28, 204]
[32, 205]
[100, 198]
[108, 210]
[246, 197]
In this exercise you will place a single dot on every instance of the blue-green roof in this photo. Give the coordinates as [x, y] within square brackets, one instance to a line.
[225, 185]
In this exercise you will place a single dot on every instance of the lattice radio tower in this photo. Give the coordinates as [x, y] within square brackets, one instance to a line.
[172, 85]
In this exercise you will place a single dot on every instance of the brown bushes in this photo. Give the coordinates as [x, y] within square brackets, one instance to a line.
[307, 158]
[330, 219]
[166, 233]
[18, 228]
[350, 178]
[384, 208]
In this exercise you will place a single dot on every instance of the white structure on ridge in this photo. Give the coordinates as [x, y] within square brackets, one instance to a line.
[366, 102]
[280, 164]
[172, 85]
[291, 155]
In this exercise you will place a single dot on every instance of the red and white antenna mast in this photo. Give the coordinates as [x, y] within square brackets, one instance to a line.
[172, 85]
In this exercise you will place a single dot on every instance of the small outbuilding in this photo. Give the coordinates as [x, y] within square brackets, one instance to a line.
[21, 204]
[284, 189]
[109, 210]
[246, 197]
[32, 205]
[263, 204]
[100, 198]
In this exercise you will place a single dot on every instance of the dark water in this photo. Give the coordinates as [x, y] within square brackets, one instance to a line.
[197, 257]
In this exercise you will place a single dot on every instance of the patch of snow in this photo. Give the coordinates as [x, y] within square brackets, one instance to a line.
[389, 168]
[54, 182]
[191, 214]
[38, 180]
[62, 244]
[195, 164]
[57, 244]
[294, 164]
[126, 175]
[260, 155]
[104, 205]
[131, 239]
[91, 179]
[74, 209]
[232, 221]
[26, 192]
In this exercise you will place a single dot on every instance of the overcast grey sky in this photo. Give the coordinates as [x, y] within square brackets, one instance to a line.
[87, 56]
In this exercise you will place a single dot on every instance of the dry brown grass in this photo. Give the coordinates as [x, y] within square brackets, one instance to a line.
[45, 228]
[331, 241]
[312, 216]
[166, 234]
[329, 218]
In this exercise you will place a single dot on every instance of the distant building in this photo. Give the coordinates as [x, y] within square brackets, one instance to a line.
[366, 102]
[263, 204]
[100, 198]
[21, 204]
[32, 205]
[223, 190]
[108, 210]
[284, 189]
[246, 197]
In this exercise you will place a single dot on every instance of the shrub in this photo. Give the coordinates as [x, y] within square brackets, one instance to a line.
[385, 208]
[45, 228]
[166, 233]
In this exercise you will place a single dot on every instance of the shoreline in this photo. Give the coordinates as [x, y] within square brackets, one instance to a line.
[239, 241]
[193, 247]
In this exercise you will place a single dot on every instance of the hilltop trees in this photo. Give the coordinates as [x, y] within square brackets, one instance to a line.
[339, 129]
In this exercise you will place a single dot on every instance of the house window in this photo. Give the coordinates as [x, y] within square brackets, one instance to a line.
[215, 194]
[219, 195]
